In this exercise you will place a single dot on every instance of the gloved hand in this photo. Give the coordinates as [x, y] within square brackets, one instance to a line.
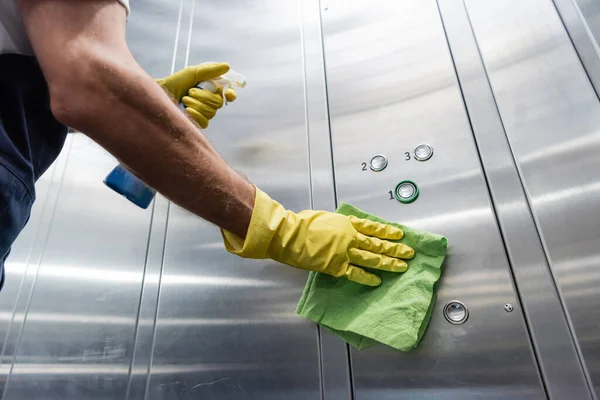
[320, 241]
[200, 104]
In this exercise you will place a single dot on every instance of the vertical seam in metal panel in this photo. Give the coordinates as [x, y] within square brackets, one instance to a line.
[487, 185]
[177, 35]
[306, 112]
[141, 297]
[328, 115]
[26, 263]
[332, 158]
[152, 221]
[589, 34]
[155, 322]
[39, 263]
[164, 246]
[310, 176]
[536, 222]
[534, 217]
[535, 352]
[190, 30]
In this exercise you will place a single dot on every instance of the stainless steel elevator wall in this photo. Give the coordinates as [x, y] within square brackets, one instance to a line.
[107, 301]
[552, 120]
[226, 328]
[392, 86]
[76, 272]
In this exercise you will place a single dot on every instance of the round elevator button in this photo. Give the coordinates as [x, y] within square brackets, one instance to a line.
[456, 312]
[378, 163]
[406, 192]
[423, 152]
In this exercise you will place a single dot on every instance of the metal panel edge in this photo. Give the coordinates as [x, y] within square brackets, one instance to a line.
[335, 361]
[582, 38]
[141, 361]
[563, 374]
[142, 353]
[21, 308]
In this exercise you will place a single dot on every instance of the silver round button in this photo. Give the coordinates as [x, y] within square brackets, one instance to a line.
[378, 163]
[456, 312]
[406, 190]
[423, 152]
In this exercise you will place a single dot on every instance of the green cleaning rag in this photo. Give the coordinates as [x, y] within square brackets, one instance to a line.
[395, 313]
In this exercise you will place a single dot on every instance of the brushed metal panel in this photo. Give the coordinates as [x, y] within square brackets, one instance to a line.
[582, 20]
[23, 262]
[552, 119]
[557, 355]
[335, 366]
[77, 334]
[144, 333]
[226, 327]
[392, 86]
[74, 337]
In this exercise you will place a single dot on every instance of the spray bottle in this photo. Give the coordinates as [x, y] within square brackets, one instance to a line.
[122, 181]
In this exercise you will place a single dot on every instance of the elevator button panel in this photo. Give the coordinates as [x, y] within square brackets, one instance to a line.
[378, 163]
[423, 152]
[406, 192]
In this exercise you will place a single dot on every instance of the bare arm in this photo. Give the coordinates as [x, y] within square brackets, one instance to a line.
[97, 88]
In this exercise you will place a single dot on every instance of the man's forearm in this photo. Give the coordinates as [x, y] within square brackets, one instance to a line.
[97, 87]
[138, 123]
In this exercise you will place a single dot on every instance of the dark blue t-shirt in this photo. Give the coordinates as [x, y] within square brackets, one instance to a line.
[30, 140]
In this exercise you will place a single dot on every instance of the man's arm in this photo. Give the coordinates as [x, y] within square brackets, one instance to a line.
[97, 88]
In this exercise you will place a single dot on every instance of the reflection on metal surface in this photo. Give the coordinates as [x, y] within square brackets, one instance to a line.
[549, 108]
[72, 334]
[378, 163]
[27, 251]
[152, 307]
[334, 354]
[582, 20]
[245, 341]
[401, 47]
[423, 152]
[76, 237]
[557, 357]
[456, 312]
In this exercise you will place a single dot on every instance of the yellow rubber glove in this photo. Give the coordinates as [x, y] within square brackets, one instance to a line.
[200, 104]
[320, 241]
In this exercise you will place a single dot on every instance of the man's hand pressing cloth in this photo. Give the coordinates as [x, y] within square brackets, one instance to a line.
[200, 105]
[321, 241]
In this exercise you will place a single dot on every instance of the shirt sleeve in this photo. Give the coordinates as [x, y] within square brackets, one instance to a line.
[125, 4]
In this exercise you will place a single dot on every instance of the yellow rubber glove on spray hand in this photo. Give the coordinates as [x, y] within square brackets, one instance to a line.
[200, 104]
[321, 241]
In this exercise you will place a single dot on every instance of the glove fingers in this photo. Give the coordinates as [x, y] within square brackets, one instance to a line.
[378, 246]
[376, 229]
[196, 116]
[364, 258]
[204, 72]
[361, 276]
[200, 107]
[230, 95]
[213, 100]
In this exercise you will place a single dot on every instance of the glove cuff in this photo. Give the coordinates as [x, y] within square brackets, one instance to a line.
[266, 219]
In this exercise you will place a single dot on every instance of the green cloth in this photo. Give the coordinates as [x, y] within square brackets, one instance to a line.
[397, 312]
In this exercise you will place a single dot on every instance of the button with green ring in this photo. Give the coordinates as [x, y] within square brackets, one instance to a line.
[406, 191]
